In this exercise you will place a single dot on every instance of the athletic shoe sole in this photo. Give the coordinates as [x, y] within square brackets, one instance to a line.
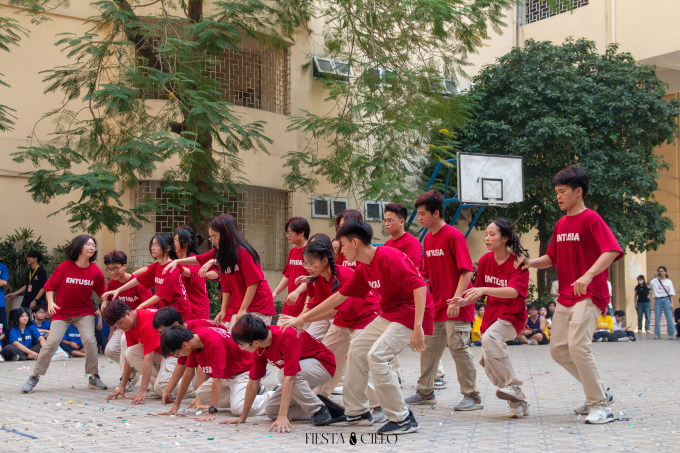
[94, 387]
[423, 402]
[411, 429]
[609, 419]
[509, 397]
[360, 422]
[476, 407]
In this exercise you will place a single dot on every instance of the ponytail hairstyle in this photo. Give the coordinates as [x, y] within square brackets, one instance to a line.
[189, 239]
[507, 230]
[321, 248]
[231, 239]
[165, 242]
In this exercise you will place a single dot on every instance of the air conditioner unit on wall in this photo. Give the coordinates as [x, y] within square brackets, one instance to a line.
[331, 68]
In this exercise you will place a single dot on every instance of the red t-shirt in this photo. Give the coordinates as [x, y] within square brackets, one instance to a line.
[169, 287]
[246, 273]
[342, 261]
[394, 277]
[144, 333]
[195, 324]
[353, 313]
[577, 242]
[446, 258]
[197, 293]
[293, 270]
[491, 275]
[287, 350]
[220, 356]
[74, 286]
[409, 245]
[133, 296]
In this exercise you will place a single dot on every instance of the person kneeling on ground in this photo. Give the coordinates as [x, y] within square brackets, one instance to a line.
[25, 341]
[224, 363]
[536, 331]
[304, 364]
[143, 351]
[621, 331]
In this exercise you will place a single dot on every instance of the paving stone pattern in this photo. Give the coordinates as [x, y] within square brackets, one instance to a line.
[64, 415]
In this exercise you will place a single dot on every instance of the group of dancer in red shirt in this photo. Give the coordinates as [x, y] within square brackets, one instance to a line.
[351, 309]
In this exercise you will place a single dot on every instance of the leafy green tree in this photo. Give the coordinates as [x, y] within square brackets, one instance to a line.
[13, 251]
[10, 35]
[561, 105]
[165, 52]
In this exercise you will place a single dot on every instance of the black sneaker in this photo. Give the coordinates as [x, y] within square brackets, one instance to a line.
[335, 409]
[322, 417]
[365, 419]
[409, 425]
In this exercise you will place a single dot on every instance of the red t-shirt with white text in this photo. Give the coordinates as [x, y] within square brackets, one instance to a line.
[409, 245]
[74, 286]
[394, 277]
[353, 313]
[220, 356]
[446, 258]
[144, 333]
[491, 275]
[287, 350]
[342, 261]
[577, 242]
[193, 325]
[197, 293]
[246, 273]
[169, 288]
[292, 271]
[133, 297]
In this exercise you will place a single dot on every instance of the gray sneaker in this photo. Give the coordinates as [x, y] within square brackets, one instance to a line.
[419, 398]
[583, 409]
[96, 383]
[440, 383]
[30, 384]
[469, 403]
[379, 415]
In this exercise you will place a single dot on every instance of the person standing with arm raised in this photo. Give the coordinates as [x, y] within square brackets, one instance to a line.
[582, 249]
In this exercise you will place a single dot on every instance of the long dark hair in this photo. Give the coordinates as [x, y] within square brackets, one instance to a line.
[230, 241]
[166, 242]
[189, 239]
[321, 248]
[507, 230]
[75, 247]
[14, 321]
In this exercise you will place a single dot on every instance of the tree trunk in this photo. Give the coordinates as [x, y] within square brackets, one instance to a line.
[544, 235]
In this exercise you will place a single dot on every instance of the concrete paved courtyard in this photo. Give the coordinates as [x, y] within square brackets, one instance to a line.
[62, 414]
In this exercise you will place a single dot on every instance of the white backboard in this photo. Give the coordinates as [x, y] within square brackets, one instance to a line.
[489, 179]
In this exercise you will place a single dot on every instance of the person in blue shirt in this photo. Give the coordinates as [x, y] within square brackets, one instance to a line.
[25, 341]
[4, 278]
[39, 312]
[101, 330]
[71, 342]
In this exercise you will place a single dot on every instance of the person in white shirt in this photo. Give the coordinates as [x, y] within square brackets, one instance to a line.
[610, 307]
[620, 330]
[663, 289]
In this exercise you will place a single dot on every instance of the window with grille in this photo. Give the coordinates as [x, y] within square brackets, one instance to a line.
[536, 10]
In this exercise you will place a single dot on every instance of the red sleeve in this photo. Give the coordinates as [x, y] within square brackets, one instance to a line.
[204, 258]
[604, 238]
[224, 283]
[252, 273]
[259, 368]
[356, 286]
[291, 347]
[519, 279]
[404, 275]
[99, 283]
[460, 250]
[310, 289]
[144, 293]
[147, 278]
[55, 279]
[167, 290]
[193, 271]
[191, 360]
[415, 252]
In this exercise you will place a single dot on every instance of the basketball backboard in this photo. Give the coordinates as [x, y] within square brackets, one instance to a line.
[489, 179]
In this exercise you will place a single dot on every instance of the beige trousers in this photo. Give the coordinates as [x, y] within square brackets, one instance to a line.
[495, 356]
[267, 319]
[318, 329]
[570, 339]
[116, 347]
[304, 403]
[338, 340]
[161, 372]
[85, 326]
[232, 395]
[456, 334]
[372, 351]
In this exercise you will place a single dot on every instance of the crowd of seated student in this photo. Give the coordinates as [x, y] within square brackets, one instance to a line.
[23, 339]
[612, 329]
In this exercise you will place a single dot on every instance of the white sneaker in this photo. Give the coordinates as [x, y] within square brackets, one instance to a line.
[599, 340]
[379, 415]
[337, 390]
[533, 342]
[599, 415]
[671, 337]
[583, 409]
[520, 411]
[624, 339]
[511, 393]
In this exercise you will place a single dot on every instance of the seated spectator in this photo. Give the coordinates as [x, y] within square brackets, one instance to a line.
[605, 329]
[543, 311]
[515, 342]
[552, 305]
[475, 336]
[71, 343]
[39, 312]
[102, 331]
[25, 341]
[536, 330]
[620, 330]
